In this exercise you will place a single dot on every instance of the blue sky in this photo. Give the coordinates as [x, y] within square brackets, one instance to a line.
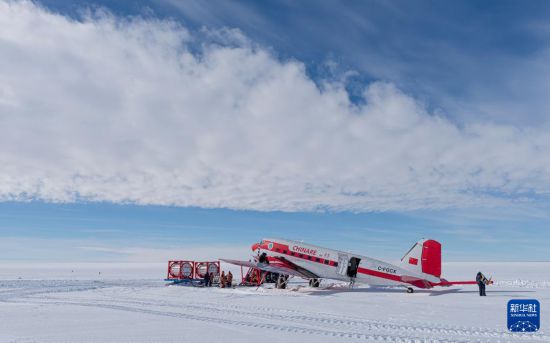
[108, 232]
[149, 128]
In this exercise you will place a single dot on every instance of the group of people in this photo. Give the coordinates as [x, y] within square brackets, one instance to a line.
[252, 278]
[226, 280]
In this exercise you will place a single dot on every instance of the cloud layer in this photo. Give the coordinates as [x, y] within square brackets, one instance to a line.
[144, 111]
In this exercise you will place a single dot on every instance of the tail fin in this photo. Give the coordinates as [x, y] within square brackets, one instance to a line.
[424, 257]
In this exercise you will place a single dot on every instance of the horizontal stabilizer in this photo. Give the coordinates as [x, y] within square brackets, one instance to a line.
[415, 281]
[421, 283]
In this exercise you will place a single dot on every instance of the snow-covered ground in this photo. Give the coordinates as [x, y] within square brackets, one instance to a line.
[129, 303]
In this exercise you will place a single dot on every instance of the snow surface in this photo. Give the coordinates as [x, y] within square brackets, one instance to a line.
[129, 302]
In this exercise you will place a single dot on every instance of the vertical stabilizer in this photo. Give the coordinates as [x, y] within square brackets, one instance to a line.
[424, 257]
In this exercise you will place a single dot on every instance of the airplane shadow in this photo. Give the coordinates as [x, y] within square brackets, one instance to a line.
[432, 293]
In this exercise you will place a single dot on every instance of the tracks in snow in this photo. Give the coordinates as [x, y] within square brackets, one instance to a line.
[116, 296]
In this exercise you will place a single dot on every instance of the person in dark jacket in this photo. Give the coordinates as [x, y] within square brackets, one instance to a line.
[206, 279]
[481, 281]
[263, 258]
[211, 281]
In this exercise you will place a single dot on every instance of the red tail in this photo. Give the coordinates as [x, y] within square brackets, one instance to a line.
[431, 258]
[424, 257]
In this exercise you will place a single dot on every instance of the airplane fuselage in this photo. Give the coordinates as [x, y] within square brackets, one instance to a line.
[340, 265]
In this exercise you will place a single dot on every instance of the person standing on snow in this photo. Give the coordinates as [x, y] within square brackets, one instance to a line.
[229, 278]
[206, 279]
[223, 280]
[481, 281]
[211, 280]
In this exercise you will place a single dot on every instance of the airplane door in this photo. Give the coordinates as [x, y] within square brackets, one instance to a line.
[353, 267]
[343, 260]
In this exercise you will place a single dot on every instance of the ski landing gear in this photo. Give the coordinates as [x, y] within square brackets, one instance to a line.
[314, 283]
[282, 281]
[410, 290]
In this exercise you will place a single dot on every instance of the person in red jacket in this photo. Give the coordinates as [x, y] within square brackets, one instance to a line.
[223, 280]
[229, 279]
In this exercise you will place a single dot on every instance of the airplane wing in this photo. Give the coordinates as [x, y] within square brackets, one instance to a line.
[278, 265]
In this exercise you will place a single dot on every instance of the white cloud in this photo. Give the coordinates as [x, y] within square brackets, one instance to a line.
[127, 110]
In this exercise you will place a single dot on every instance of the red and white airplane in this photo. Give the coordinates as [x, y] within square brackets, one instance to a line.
[420, 267]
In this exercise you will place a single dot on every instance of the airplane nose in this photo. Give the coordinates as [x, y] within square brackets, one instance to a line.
[255, 246]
